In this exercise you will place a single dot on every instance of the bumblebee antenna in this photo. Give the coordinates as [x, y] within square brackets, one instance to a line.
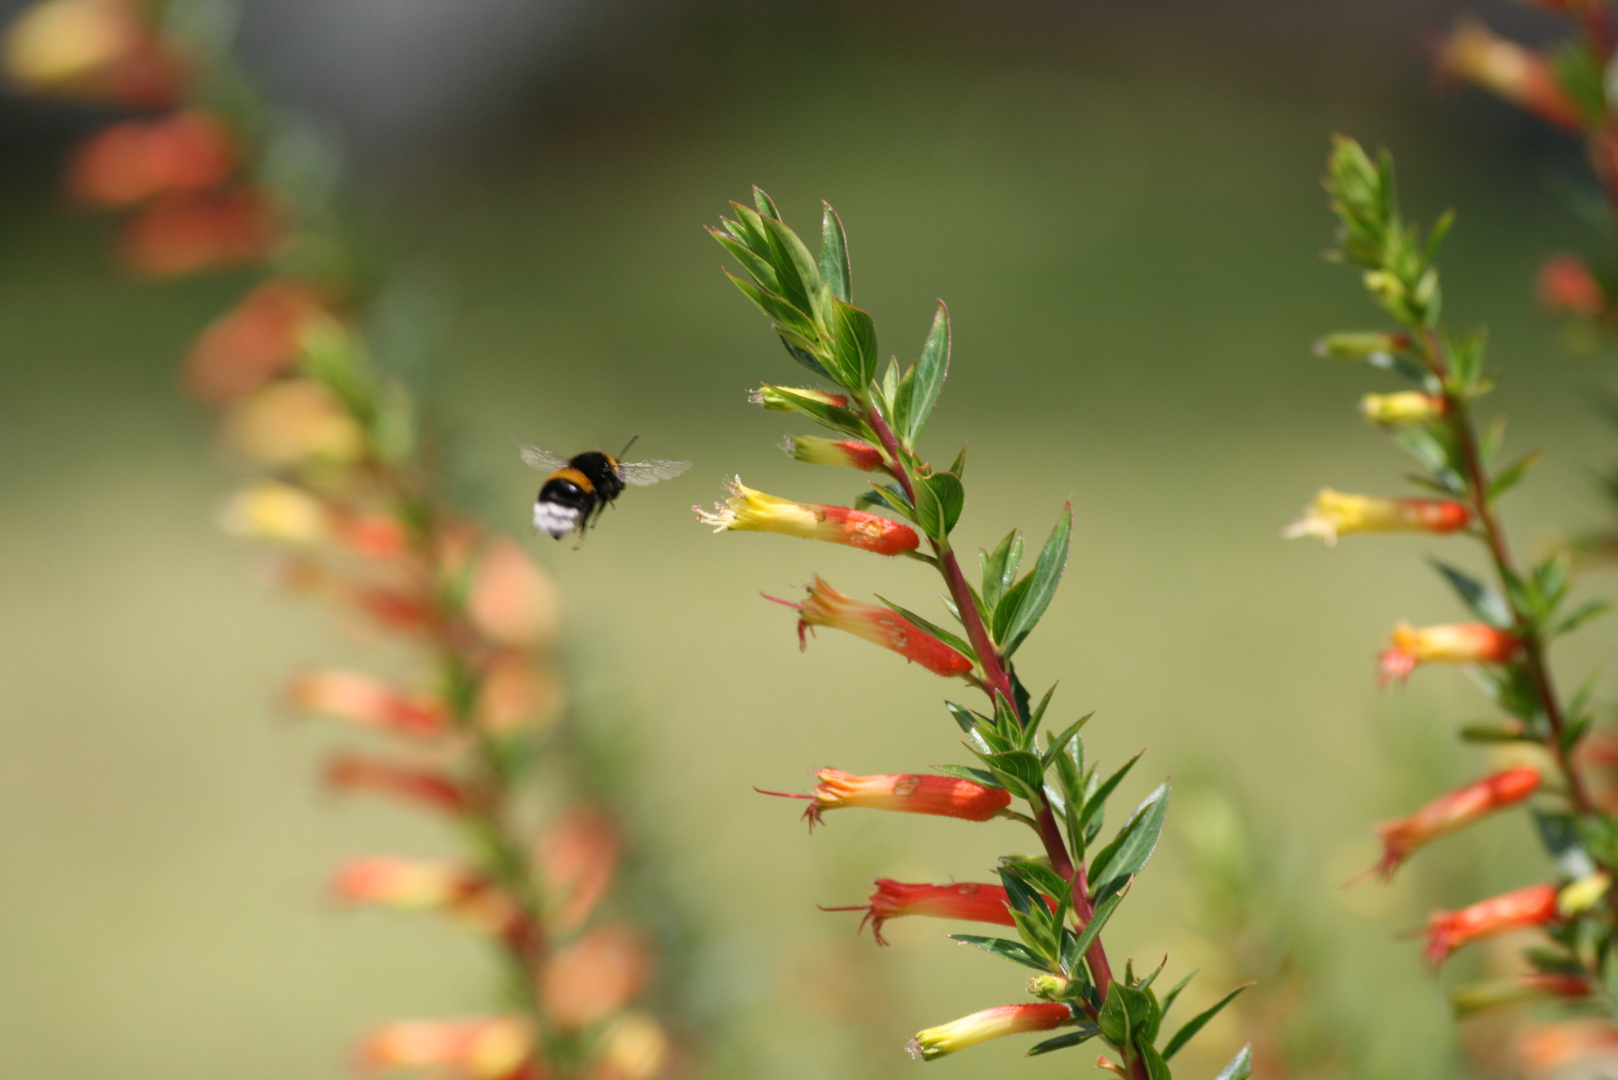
[625, 450]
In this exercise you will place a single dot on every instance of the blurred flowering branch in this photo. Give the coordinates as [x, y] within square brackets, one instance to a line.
[352, 494]
[1059, 903]
[1519, 613]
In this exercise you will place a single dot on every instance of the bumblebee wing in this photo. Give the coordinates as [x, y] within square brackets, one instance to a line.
[543, 460]
[642, 473]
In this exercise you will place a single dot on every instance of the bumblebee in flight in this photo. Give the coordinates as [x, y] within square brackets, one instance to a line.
[579, 488]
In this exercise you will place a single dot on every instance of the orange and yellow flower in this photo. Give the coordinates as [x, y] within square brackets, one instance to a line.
[138, 159]
[1565, 285]
[368, 702]
[422, 786]
[1447, 643]
[1404, 407]
[485, 1047]
[825, 606]
[260, 338]
[911, 793]
[960, 900]
[1450, 813]
[1520, 75]
[852, 453]
[1335, 514]
[184, 232]
[753, 511]
[89, 50]
[1518, 910]
[935, 1042]
[427, 885]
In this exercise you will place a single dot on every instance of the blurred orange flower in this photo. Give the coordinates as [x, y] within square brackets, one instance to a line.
[261, 337]
[596, 975]
[137, 159]
[184, 232]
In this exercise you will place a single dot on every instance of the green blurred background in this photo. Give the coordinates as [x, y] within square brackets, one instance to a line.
[1119, 203]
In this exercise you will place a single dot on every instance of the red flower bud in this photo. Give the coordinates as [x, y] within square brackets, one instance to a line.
[1450, 643]
[826, 606]
[912, 793]
[137, 159]
[1520, 75]
[1450, 813]
[1519, 910]
[1566, 286]
[960, 900]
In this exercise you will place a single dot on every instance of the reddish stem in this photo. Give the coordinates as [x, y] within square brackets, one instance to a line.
[997, 680]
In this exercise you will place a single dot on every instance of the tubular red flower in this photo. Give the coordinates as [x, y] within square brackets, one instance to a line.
[935, 1042]
[911, 793]
[485, 1047]
[368, 702]
[753, 511]
[1519, 910]
[186, 232]
[260, 338]
[1335, 514]
[427, 885]
[960, 900]
[137, 159]
[1566, 286]
[1520, 75]
[826, 606]
[1449, 643]
[423, 787]
[851, 453]
[1450, 813]
[577, 857]
[596, 975]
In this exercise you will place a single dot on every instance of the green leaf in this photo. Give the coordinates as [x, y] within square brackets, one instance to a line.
[1098, 800]
[1156, 1067]
[951, 495]
[1484, 601]
[962, 772]
[1495, 733]
[1047, 574]
[854, 345]
[1174, 991]
[1084, 1032]
[759, 267]
[1058, 744]
[1144, 1015]
[890, 496]
[958, 466]
[1085, 938]
[796, 270]
[789, 320]
[954, 642]
[1199, 1021]
[1581, 615]
[1240, 1067]
[766, 205]
[1560, 835]
[1512, 474]
[1011, 950]
[1129, 851]
[1114, 1018]
[1037, 876]
[931, 370]
[834, 256]
[1019, 771]
[1000, 568]
[1069, 774]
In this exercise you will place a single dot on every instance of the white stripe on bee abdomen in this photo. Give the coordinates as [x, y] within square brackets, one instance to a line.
[554, 518]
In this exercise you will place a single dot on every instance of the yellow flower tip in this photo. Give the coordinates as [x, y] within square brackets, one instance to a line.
[993, 1023]
[1582, 895]
[1405, 407]
[1335, 514]
[747, 510]
[276, 511]
[291, 422]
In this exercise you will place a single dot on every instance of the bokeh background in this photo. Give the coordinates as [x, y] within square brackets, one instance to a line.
[1120, 204]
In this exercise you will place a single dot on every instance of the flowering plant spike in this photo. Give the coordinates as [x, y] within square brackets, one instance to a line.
[1057, 904]
[1515, 615]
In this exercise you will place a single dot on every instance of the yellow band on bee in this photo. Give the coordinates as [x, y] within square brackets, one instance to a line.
[573, 476]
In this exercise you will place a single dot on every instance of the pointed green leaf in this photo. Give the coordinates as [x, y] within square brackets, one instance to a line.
[854, 344]
[1084, 1032]
[954, 642]
[1011, 950]
[1019, 771]
[1114, 1019]
[789, 320]
[1512, 474]
[1059, 743]
[1000, 568]
[951, 497]
[1092, 929]
[834, 256]
[1129, 851]
[1174, 991]
[1481, 598]
[760, 268]
[962, 772]
[1581, 615]
[1240, 1067]
[1196, 1023]
[1096, 801]
[1156, 1067]
[931, 370]
[1047, 574]
[766, 205]
[795, 269]
[1039, 876]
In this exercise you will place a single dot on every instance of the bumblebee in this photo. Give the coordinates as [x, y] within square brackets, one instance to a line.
[579, 488]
